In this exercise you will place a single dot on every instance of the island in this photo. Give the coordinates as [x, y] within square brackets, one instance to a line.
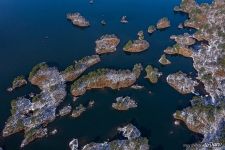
[136, 46]
[106, 44]
[65, 110]
[19, 81]
[163, 23]
[181, 82]
[103, 78]
[153, 74]
[133, 141]
[163, 60]
[180, 50]
[124, 19]
[124, 103]
[32, 115]
[151, 29]
[29, 115]
[78, 20]
[206, 114]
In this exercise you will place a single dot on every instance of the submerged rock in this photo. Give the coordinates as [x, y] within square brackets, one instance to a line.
[106, 44]
[163, 23]
[77, 19]
[103, 78]
[153, 74]
[124, 103]
[136, 46]
[181, 82]
[163, 60]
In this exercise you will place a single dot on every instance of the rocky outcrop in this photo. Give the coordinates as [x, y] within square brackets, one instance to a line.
[136, 46]
[163, 23]
[106, 44]
[78, 20]
[151, 29]
[133, 141]
[103, 78]
[153, 74]
[164, 61]
[124, 103]
[184, 40]
[181, 82]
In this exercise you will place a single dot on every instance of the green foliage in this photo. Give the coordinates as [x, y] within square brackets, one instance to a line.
[221, 61]
[128, 45]
[21, 77]
[36, 68]
[69, 69]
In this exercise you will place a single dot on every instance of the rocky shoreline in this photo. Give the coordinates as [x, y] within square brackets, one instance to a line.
[206, 114]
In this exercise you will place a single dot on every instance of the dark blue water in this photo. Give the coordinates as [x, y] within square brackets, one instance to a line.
[24, 26]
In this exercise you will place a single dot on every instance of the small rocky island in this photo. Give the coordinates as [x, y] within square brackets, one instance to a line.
[153, 74]
[163, 23]
[106, 44]
[124, 103]
[78, 20]
[132, 141]
[163, 60]
[151, 29]
[17, 82]
[181, 82]
[103, 78]
[136, 46]
[124, 19]
[78, 111]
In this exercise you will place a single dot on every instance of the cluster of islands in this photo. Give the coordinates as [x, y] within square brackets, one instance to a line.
[32, 113]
